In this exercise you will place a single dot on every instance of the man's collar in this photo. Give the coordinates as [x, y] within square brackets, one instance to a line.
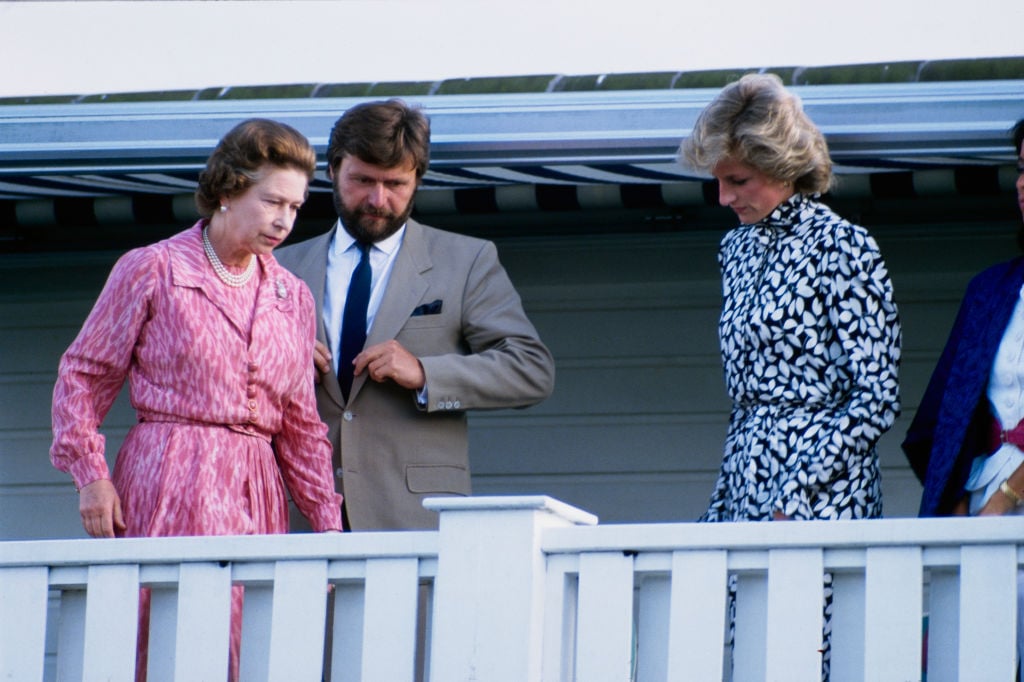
[343, 240]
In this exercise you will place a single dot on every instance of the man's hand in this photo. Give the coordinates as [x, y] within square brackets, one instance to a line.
[390, 361]
[100, 507]
[321, 360]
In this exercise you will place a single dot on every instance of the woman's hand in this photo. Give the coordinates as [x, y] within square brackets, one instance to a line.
[321, 361]
[998, 504]
[100, 507]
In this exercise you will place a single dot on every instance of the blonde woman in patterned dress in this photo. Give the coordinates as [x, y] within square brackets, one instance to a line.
[810, 337]
[216, 342]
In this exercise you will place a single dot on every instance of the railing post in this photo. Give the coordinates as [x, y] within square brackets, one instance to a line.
[489, 589]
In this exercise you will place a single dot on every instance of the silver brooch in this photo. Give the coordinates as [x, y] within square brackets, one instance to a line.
[282, 291]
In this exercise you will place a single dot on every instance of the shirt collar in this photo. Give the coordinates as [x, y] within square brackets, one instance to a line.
[343, 241]
[785, 215]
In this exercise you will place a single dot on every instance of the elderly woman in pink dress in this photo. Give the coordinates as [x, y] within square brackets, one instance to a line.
[216, 342]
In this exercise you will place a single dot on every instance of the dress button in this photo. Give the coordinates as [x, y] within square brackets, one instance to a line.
[252, 404]
[347, 416]
[253, 417]
[250, 392]
[253, 367]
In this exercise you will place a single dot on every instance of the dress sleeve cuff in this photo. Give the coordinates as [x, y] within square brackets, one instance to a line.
[87, 469]
[987, 472]
[327, 517]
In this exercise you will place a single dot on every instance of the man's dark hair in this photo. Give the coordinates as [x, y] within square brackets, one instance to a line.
[387, 134]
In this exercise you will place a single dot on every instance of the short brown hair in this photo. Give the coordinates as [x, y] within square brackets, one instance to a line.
[384, 133]
[758, 122]
[234, 165]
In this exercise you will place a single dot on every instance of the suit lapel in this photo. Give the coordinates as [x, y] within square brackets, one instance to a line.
[310, 265]
[999, 307]
[979, 343]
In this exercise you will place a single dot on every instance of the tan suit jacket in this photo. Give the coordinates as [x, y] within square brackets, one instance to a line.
[451, 304]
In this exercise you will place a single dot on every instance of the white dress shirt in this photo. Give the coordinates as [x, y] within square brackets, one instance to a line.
[342, 259]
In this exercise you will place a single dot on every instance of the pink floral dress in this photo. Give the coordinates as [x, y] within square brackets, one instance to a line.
[220, 386]
[221, 379]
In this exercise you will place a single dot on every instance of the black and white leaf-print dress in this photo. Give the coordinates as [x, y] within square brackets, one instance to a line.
[810, 342]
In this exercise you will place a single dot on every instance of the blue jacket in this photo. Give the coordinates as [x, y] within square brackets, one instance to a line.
[952, 423]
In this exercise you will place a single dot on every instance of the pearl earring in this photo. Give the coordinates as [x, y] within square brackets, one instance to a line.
[223, 208]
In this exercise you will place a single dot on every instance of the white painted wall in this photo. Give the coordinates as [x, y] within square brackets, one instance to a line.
[635, 427]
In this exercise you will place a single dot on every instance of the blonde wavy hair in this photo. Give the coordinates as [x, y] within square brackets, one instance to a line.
[756, 121]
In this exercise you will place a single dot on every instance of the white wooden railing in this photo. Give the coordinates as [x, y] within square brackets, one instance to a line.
[525, 588]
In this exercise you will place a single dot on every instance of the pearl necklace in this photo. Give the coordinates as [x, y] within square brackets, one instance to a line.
[229, 278]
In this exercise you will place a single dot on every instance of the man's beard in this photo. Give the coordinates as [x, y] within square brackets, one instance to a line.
[369, 232]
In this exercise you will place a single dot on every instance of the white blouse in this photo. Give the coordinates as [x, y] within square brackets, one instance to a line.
[1006, 397]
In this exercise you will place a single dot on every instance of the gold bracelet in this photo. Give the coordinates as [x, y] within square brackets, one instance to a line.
[1005, 489]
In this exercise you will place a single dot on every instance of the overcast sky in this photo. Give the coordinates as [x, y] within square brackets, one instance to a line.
[96, 47]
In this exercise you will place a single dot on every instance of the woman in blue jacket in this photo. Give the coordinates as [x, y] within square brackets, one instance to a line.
[966, 443]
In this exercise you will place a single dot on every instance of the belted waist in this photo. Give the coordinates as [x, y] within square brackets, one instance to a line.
[244, 429]
[806, 405]
[998, 435]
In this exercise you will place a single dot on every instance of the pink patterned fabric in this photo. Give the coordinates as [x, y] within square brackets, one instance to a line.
[215, 384]
[222, 382]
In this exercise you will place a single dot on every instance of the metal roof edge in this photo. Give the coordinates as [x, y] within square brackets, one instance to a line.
[984, 68]
[920, 122]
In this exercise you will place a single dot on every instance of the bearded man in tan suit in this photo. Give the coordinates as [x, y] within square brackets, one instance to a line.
[445, 328]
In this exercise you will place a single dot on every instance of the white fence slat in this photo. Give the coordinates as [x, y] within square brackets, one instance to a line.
[257, 611]
[389, 631]
[299, 621]
[943, 625]
[71, 636]
[605, 620]
[988, 612]
[111, 623]
[23, 608]
[203, 635]
[795, 614]
[163, 626]
[750, 627]
[847, 626]
[347, 632]
[696, 632]
[653, 596]
[561, 600]
[425, 621]
[894, 606]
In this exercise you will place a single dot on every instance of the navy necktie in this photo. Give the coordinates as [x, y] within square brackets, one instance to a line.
[353, 323]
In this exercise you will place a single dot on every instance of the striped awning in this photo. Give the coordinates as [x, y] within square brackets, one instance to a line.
[519, 149]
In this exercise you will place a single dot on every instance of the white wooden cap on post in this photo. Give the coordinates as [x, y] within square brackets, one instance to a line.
[489, 590]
